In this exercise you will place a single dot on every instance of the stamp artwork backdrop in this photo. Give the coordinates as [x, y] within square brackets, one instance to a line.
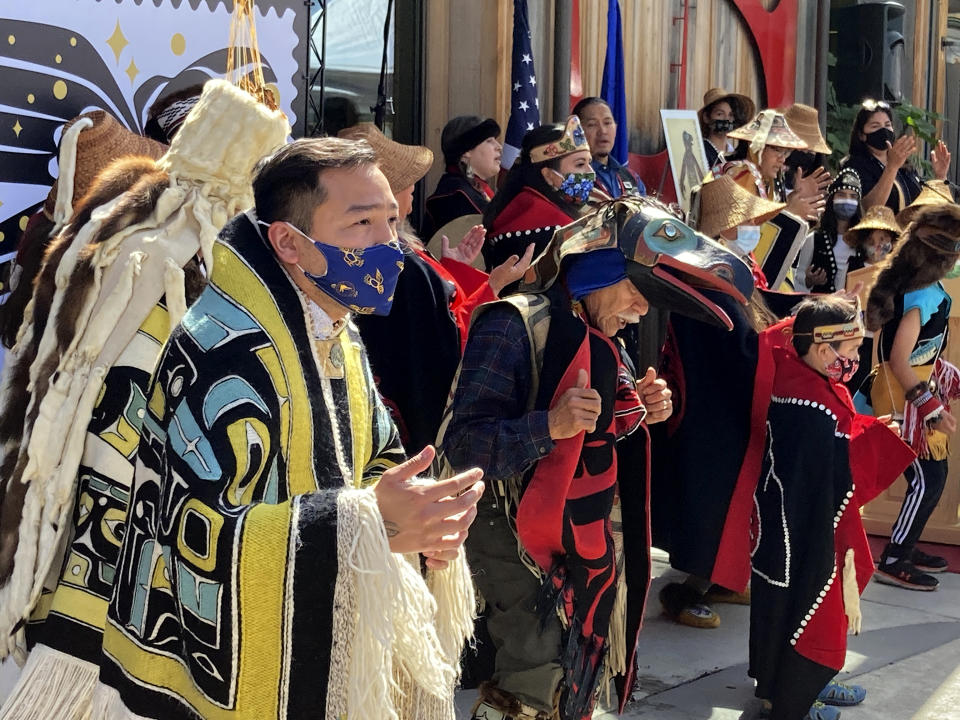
[60, 58]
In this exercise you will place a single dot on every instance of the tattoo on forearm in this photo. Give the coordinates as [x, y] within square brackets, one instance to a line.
[391, 528]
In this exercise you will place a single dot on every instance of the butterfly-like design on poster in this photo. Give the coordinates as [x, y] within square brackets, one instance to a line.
[60, 59]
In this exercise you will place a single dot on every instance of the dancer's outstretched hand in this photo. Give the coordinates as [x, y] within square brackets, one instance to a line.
[427, 517]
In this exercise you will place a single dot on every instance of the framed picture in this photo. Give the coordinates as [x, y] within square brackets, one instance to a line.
[688, 161]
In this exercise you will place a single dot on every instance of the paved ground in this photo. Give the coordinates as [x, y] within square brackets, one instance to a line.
[908, 658]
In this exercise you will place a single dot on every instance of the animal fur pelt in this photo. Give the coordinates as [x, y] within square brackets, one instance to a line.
[131, 246]
[144, 181]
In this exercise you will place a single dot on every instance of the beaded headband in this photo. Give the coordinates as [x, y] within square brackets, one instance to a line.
[572, 140]
[839, 331]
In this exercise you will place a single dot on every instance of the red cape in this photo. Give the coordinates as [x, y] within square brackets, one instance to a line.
[529, 210]
[877, 456]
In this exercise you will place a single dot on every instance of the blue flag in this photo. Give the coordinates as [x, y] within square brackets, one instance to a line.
[524, 105]
[614, 89]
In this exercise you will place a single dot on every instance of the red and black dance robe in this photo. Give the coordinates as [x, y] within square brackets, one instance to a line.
[530, 217]
[415, 350]
[454, 197]
[706, 457]
[561, 505]
[821, 462]
[697, 454]
[563, 518]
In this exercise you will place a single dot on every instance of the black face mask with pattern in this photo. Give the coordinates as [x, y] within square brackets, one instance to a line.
[722, 127]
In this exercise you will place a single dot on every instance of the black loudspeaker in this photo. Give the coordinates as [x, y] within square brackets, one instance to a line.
[869, 50]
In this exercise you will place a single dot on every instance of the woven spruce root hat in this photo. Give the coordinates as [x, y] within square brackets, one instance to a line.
[89, 143]
[804, 121]
[769, 127]
[402, 164]
[725, 205]
[745, 106]
[878, 217]
[934, 192]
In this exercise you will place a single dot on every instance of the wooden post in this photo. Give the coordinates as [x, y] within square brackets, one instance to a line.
[504, 53]
[938, 59]
[921, 44]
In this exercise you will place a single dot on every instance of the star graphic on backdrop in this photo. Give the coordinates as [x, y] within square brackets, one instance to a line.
[117, 42]
[533, 80]
[516, 86]
[524, 106]
[132, 71]
[17, 127]
[529, 126]
[526, 59]
[536, 101]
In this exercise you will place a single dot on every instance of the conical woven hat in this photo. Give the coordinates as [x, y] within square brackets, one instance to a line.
[769, 127]
[746, 106]
[402, 164]
[724, 205]
[803, 120]
[934, 192]
[878, 217]
[98, 146]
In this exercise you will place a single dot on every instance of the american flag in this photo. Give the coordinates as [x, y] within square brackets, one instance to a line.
[524, 105]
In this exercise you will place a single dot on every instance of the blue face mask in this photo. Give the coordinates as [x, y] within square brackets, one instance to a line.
[576, 187]
[748, 237]
[845, 208]
[362, 280]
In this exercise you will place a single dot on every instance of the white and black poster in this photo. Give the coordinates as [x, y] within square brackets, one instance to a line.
[60, 58]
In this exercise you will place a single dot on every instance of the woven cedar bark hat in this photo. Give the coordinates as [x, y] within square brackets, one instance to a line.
[403, 164]
[742, 106]
[804, 121]
[934, 192]
[725, 205]
[878, 217]
[769, 127]
[85, 153]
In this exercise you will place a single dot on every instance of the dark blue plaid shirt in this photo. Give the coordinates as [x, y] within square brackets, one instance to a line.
[491, 428]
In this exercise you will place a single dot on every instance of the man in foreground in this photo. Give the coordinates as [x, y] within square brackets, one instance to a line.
[263, 573]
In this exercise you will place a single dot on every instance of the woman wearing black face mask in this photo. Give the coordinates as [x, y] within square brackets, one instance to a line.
[880, 158]
[721, 113]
